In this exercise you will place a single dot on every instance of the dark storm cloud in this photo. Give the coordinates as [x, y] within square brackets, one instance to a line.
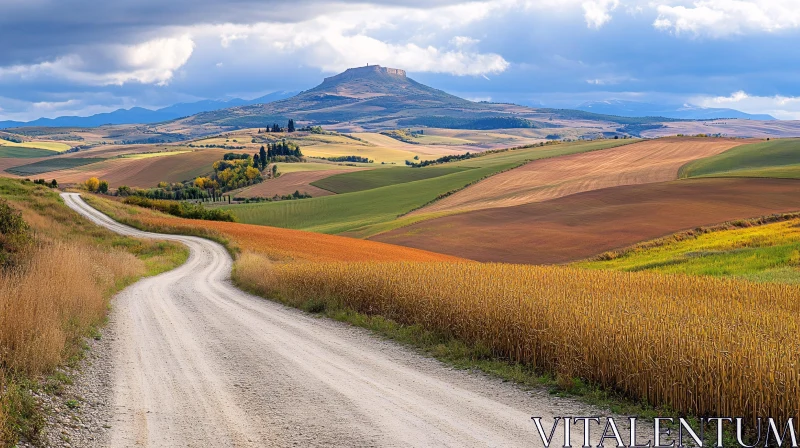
[33, 31]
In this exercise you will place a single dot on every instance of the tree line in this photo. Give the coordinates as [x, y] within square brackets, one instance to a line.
[277, 128]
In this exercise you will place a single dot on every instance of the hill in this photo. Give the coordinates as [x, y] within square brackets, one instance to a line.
[773, 158]
[686, 112]
[360, 94]
[140, 115]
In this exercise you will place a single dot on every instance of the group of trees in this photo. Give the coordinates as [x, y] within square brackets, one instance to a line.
[357, 159]
[231, 173]
[52, 184]
[96, 185]
[182, 209]
[277, 128]
[174, 191]
[282, 151]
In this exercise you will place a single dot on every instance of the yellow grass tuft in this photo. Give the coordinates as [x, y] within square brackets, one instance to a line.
[698, 345]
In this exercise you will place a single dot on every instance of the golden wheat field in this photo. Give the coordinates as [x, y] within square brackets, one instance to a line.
[699, 345]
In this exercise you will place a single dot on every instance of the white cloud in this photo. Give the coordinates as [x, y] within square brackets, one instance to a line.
[781, 107]
[463, 41]
[345, 39]
[151, 62]
[227, 39]
[598, 12]
[720, 18]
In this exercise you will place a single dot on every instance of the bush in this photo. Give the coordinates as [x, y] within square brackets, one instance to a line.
[15, 234]
[181, 209]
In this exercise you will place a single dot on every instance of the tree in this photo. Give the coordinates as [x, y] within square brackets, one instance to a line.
[263, 157]
[53, 184]
[256, 162]
[102, 186]
[92, 184]
[290, 126]
[251, 173]
[274, 171]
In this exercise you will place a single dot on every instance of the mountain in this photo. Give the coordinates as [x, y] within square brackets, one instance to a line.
[369, 95]
[140, 115]
[687, 112]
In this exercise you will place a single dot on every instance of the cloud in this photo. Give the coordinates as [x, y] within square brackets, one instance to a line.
[386, 36]
[721, 18]
[151, 62]
[597, 12]
[781, 107]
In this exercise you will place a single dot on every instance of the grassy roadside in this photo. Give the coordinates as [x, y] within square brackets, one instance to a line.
[131, 216]
[55, 294]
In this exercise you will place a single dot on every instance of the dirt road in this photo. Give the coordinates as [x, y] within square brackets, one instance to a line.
[197, 362]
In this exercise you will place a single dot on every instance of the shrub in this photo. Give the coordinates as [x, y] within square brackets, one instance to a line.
[181, 209]
[14, 234]
[92, 184]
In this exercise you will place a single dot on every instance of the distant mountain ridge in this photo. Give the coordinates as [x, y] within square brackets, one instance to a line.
[625, 108]
[140, 115]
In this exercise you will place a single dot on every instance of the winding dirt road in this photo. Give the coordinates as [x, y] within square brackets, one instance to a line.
[197, 362]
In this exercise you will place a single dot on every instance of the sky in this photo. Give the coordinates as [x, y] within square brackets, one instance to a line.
[79, 57]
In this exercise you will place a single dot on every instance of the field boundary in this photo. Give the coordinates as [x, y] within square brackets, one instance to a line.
[693, 233]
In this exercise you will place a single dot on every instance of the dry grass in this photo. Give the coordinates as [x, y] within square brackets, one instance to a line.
[57, 292]
[51, 300]
[697, 345]
[276, 243]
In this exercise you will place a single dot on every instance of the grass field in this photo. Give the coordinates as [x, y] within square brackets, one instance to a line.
[24, 153]
[366, 212]
[367, 180]
[148, 155]
[50, 146]
[46, 166]
[379, 154]
[145, 172]
[769, 252]
[320, 166]
[774, 158]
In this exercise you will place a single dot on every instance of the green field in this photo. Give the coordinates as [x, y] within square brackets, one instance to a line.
[367, 212]
[769, 252]
[367, 180]
[320, 166]
[44, 166]
[19, 152]
[774, 158]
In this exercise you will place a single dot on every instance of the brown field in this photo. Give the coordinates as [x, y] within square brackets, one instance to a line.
[541, 180]
[290, 182]
[586, 224]
[146, 172]
[6, 163]
[277, 244]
